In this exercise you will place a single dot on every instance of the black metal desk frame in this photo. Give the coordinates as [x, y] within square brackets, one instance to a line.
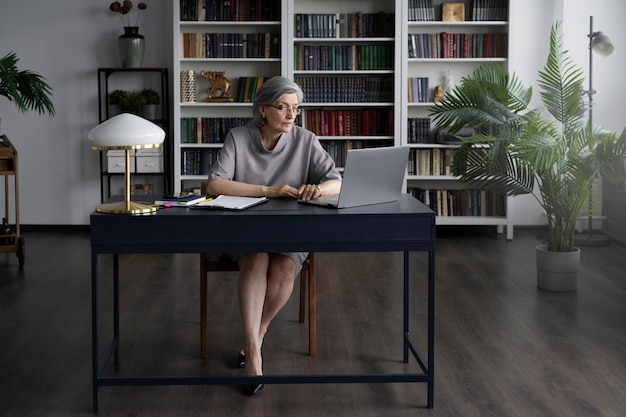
[278, 225]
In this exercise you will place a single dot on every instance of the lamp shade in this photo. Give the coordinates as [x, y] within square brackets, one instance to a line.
[601, 45]
[126, 130]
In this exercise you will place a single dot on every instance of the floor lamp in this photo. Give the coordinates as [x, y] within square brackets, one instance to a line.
[599, 44]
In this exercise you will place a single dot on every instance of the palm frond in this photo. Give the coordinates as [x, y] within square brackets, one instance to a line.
[27, 89]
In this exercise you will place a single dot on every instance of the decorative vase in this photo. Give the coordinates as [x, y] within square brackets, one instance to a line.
[557, 271]
[131, 47]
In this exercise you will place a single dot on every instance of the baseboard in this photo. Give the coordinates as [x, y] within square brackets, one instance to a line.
[53, 228]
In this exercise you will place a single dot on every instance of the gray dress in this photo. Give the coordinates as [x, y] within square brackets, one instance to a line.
[298, 158]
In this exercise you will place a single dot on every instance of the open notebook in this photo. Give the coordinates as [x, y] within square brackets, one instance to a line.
[371, 176]
[229, 202]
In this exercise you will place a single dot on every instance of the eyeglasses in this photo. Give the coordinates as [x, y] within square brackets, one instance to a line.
[286, 111]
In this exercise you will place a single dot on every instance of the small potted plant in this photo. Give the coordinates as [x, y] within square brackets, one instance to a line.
[150, 100]
[126, 101]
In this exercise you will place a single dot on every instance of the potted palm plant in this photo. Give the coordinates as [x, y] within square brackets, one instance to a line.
[27, 89]
[550, 152]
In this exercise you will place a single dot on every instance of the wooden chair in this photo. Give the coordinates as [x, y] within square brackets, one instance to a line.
[215, 262]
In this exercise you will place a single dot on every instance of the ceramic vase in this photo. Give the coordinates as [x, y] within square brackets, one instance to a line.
[131, 46]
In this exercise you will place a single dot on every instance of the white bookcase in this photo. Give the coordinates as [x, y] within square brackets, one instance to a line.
[192, 158]
[454, 203]
[345, 56]
[312, 50]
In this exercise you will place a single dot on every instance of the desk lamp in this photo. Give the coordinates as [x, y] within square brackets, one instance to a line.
[126, 132]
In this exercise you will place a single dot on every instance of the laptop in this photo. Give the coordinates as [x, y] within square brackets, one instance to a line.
[371, 176]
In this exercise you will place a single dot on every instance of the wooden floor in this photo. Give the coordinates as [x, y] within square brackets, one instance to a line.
[503, 348]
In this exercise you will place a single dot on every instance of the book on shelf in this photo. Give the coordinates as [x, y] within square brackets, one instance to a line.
[349, 122]
[419, 91]
[457, 45]
[461, 202]
[229, 10]
[344, 25]
[208, 129]
[229, 45]
[490, 10]
[419, 130]
[373, 88]
[421, 11]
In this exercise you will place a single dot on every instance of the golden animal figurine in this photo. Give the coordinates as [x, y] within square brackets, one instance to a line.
[438, 94]
[219, 83]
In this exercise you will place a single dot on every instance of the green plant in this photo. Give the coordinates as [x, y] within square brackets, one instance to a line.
[27, 89]
[150, 96]
[518, 151]
[130, 101]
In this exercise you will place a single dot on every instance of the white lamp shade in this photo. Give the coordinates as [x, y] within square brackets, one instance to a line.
[601, 45]
[126, 130]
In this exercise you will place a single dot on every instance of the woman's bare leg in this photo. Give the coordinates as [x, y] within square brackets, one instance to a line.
[264, 287]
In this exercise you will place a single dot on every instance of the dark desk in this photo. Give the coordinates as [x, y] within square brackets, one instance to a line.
[278, 225]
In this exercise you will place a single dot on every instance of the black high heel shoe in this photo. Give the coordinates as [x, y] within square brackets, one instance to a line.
[242, 360]
[253, 389]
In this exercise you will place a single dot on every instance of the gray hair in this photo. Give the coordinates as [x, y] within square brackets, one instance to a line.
[270, 91]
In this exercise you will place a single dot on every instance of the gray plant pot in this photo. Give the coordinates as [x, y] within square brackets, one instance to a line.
[149, 111]
[557, 271]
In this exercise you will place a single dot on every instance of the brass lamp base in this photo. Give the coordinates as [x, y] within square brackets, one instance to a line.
[127, 207]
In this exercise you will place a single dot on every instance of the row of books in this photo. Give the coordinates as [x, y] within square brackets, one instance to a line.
[338, 150]
[358, 122]
[462, 202]
[343, 57]
[419, 130]
[229, 45]
[488, 10]
[197, 161]
[229, 10]
[346, 88]
[421, 11]
[208, 129]
[418, 90]
[433, 161]
[344, 25]
[458, 45]
[246, 88]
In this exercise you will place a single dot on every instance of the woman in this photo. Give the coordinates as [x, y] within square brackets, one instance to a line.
[270, 157]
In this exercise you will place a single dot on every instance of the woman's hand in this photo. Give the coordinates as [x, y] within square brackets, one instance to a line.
[284, 191]
[309, 191]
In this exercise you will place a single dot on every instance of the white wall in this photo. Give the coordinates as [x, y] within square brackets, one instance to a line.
[66, 41]
[529, 36]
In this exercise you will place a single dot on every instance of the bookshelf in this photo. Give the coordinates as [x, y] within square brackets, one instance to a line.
[345, 57]
[241, 39]
[365, 81]
[440, 53]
